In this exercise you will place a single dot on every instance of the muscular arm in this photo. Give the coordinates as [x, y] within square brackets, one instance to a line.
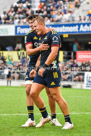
[38, 62]
[50, 59]
[52, 56]
[30, 50]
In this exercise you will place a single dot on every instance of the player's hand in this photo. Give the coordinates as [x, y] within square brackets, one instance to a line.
[41, 71]
[32, 74]
[43, 47]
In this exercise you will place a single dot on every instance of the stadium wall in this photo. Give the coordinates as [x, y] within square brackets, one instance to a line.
[63, 84]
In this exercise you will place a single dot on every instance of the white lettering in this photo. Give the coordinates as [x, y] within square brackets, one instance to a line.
[22, 30]
[84, 56]
[85, 28]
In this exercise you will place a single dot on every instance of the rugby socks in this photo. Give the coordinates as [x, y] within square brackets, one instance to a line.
[53, 116]
[67, 119]
[44, 112]
[7, 82]
[10, 82]
[30, 112]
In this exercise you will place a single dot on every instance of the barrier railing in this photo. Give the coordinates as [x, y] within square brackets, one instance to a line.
[72, 76]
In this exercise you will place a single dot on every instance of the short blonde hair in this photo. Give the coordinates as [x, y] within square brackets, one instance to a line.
[40, 20]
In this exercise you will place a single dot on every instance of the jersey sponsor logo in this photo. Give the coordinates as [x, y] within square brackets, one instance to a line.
[55, 39]
[55, 74]
[36, 44]
[35, 38]
[52, 83]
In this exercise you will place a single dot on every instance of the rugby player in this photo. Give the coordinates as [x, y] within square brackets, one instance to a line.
[33, 50]
[49, 74]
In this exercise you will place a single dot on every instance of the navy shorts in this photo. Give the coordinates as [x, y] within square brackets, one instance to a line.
[9, 75]
[50, 79]
[27, 75]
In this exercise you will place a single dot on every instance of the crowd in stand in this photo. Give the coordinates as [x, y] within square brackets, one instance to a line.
[51, 10]
[18, 68]
[71, 70]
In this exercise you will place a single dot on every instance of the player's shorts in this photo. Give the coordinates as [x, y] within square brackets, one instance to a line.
[50, 79]
[9, 75]
[28, 79]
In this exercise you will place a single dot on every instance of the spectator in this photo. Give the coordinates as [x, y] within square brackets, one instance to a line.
[76, 46]
[40, 5]
[16, 74]
[10, 60]
[18, 46]
[3, 59]
[58, 17]
[9, 48]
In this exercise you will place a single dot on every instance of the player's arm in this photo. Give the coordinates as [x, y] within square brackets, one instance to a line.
[38, 62]
[29, 45]
[34, 71]
[31, 51]
[50, 59]
[52, 55]
[55, 43]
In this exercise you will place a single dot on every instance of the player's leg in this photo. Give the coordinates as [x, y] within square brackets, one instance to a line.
[29, 102]
[52, 105]
[55, 92]
[7, 81]
[35, 91]
[30, 107]
[10, 81]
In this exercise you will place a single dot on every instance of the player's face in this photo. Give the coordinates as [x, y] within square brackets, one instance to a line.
[38, 27]
[31, 24]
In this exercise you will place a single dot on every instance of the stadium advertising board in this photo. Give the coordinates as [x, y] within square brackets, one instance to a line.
[61, 56]
[75, 28]
[7, 30]
[17, 55]
[14, 55]
[22, 30]
[87, 80]
[83, 56]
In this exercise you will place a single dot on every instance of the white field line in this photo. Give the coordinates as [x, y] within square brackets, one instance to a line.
[79, 113]
[79, 96]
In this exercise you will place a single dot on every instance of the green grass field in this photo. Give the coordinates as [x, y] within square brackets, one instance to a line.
[13, 113]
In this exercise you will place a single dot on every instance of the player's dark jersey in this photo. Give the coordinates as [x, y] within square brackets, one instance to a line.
[52, 39]
[33, 39]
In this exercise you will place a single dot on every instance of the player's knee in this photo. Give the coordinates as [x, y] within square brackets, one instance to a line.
[49, 95]
[55, 97]
[32, 94]
[27, 91]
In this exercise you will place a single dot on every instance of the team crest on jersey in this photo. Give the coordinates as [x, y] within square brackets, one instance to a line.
[36, 44]
[45, 38]
[35, 38]
[55, 38]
